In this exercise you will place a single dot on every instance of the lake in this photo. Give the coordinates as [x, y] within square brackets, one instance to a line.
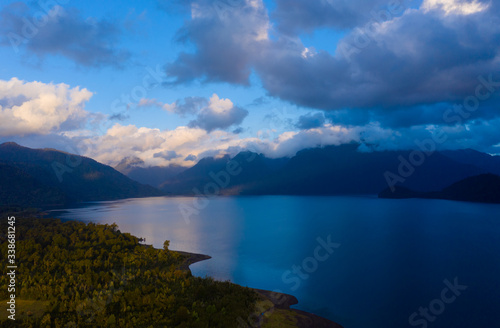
[360, 261]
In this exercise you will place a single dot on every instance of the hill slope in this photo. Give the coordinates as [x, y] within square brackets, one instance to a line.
[47, 176]
[484, 188]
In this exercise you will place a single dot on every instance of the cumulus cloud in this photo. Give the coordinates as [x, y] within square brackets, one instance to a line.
[121, 141]
[43, 31]
[181, 146]
[219, 114]
[39, 108]
[211, 114]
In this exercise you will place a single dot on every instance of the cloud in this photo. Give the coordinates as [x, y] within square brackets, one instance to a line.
[59, 31]
[144, 102]
[458, 7]
[260, 101]
[219, 114]
[238, 130]
[310, 121]
[167, 155]
[119, 117]
[185, 145]
[181, 107]
[296, 16]
[186, 106]
[39, 108]
[289, 143]
[227, 38]
[411, 59]
[121, 141]
[155, 147]
[401, 64]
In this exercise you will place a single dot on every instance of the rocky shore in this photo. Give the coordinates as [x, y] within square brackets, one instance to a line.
[273, 307]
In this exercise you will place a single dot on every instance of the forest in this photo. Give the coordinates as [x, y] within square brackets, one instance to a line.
[73, 274]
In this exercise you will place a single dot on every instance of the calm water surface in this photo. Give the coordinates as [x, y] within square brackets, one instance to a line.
[391, 257]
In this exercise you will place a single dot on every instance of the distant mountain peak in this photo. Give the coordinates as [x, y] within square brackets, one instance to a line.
[129, 163]
[10, 144]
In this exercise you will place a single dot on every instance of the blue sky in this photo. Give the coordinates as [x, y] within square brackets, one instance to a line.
[171, 82]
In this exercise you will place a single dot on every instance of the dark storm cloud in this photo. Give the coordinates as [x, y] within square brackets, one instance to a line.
[295, 16]
[61, 31]
[421, 58]
[310, 121]
[403, 75]
[418, 58]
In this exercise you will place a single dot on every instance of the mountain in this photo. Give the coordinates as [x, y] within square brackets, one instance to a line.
[329, 170]
[484, 188]
[345, 170]
[473, 157]
[133, 168]
[229, 175]
[20, 188]
[47, 176]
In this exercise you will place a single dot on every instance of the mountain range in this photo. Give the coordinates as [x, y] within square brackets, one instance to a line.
[331, 170]
[51, 177]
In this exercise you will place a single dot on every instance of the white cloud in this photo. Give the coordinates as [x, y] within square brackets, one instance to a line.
[39, 108]
[458, 7]
[219, 114]
[122, 141]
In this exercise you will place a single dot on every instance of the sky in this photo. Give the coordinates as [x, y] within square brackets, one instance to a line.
[173, 81]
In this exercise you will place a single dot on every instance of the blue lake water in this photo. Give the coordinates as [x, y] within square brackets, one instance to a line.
[387, 259]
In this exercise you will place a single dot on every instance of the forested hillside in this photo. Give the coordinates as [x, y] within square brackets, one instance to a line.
[73, 274]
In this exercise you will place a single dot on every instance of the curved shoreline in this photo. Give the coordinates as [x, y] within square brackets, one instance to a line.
[279, 301]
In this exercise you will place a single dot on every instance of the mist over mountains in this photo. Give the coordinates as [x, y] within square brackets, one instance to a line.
[330, 170]
[48, 177]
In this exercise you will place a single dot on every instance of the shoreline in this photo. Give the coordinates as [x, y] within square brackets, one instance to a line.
[279, 301]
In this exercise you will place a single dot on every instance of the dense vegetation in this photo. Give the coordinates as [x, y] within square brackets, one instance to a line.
[88, 275]
[20, 188]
